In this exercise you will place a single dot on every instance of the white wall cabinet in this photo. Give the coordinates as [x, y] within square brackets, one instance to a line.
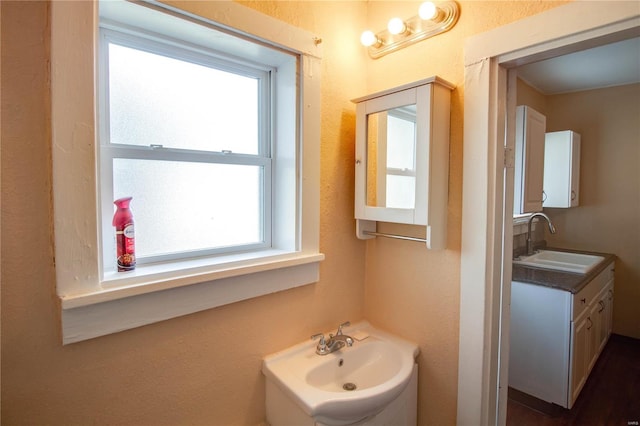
[529, 160]
[556, 336]
[562, 169]
[402, 159]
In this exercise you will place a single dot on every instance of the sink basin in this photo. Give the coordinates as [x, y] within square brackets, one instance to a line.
[561, 261]
[370, 364]
[348, 385]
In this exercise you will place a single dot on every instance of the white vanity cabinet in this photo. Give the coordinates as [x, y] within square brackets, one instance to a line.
[591, 328]
[562, 169]
[556, 336]
[529, 160]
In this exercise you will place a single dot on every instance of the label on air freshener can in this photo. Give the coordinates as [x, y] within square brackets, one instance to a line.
[125, 242]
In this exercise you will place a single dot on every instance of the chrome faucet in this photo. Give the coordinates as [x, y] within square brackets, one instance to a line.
[335, 342]
[552, 229]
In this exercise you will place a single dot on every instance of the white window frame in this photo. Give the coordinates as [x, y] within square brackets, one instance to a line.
[93, 306]
[112, 33]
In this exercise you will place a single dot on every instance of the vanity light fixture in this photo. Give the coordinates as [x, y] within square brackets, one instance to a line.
[397, 26]
[368, 38]
[433, 18]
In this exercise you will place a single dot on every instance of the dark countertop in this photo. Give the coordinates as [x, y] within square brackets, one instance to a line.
[567, 281]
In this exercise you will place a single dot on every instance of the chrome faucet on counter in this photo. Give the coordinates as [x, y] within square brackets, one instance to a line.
[335, 342]
[552, 229]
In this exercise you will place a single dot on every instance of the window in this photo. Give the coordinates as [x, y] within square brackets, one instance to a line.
[187, 135]
[222, 162]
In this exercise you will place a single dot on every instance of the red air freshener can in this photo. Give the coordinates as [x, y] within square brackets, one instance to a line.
[125, 235]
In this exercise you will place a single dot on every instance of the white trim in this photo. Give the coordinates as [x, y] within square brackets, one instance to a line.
[239, 19]
[523, 41]
[144, 41]
[566, 28]
[86, 322]
[92, 307]
[160, 277]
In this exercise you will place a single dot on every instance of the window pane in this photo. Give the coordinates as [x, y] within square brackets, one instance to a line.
[155, 99]
[401, 191]
[401, 136]
[181, 206]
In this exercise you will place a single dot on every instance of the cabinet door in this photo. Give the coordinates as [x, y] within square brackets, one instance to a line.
[580, 335]
[529, 160]
[604, 315]
[574, 187]
[602, 322]
[593, 328]
[562, 169]
[608, 311]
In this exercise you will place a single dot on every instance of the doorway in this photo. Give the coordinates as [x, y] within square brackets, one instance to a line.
[487, 230]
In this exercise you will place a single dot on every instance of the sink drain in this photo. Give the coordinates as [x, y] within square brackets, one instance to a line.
[349, 386]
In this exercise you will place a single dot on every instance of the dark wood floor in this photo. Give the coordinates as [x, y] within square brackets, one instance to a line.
[611, 395]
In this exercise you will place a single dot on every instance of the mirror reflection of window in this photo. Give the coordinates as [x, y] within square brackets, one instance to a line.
[391, 162]
[401, 164]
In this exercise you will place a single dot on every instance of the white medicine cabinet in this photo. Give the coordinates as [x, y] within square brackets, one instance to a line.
[529, 160]
[562, 169]
[402, 159]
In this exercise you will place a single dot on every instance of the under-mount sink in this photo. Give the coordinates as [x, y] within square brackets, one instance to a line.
[347, 385]
[561, 261]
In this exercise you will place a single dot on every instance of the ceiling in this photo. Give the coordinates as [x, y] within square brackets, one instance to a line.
[610, 65]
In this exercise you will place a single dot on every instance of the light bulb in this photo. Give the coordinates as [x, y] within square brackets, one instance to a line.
[396, 26]
[428, 11]
[368, 38]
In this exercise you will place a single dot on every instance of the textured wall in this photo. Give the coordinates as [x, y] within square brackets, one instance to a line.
[201, 369]
[607, 218]
[204, 369]
[410, 290]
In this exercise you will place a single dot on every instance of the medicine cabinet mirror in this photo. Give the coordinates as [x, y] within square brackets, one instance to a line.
[402, 159]
[391, 155]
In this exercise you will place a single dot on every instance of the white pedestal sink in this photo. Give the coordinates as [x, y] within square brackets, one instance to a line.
[369, 383]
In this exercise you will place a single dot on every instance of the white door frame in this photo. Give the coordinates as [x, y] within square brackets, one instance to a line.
[488, 185]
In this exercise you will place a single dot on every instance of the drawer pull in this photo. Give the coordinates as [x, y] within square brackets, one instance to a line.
[601, 303]
[590, 323]
[583, 300]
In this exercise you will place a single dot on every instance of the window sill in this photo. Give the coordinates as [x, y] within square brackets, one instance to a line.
[155, 292]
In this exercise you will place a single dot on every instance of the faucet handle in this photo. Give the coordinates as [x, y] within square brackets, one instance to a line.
[321, 337]
[344, 324]
[321, 349]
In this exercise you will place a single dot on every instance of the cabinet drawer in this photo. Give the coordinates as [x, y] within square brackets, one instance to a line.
[584, 297]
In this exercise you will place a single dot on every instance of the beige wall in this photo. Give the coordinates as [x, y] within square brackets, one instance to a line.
[204, 368]
[607, 219]
[529, 96]
[410, 290]
[608, 121]
[201, 369]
